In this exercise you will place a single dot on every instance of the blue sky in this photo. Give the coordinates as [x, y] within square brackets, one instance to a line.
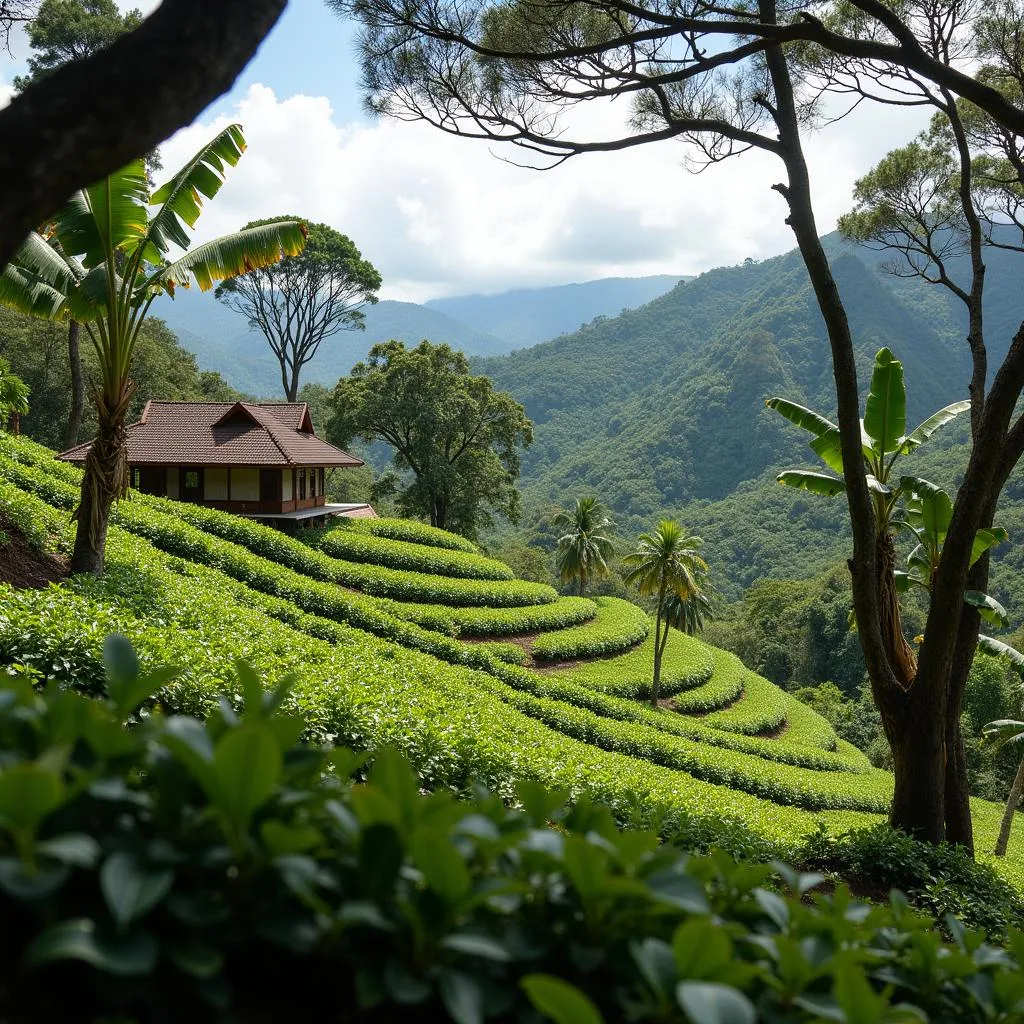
[442, 216]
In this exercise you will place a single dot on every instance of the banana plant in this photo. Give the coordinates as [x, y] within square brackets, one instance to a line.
[1003, 732]
[883, 439]
[102, 260]
[926, 514]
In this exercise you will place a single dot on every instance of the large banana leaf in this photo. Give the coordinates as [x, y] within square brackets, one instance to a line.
[182, 196]
[931, 509]
[816, 483]
[937, 419]
[1000, 650]
[40, 258]
[1002, 731]
[90, 299]
[26, 292]
[985, 539]
[232, 255]
[801, 416]
[106, 216]
[885, 414]
[827, 447]
[988, 608]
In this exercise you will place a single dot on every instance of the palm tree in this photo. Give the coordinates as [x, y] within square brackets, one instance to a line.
[102, 260]
[585, 544]
[13, 397]
[690, 614]
[666, 563]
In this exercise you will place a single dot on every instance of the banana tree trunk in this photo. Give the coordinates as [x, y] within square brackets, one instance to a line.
[1016, 790]
[901, 654]
[104, 481]
[77, 386]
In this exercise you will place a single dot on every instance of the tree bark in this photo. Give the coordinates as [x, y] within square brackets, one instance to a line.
[77, 386]
[918, 744]
[1011, 809]
[91, 117]
[104, 481]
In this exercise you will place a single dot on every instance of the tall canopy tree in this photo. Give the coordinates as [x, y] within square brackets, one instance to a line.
[585, 541]
[103, 260]
[303, 300]
[63, 31]
[457, 437]
[727, 78]
[666, 564]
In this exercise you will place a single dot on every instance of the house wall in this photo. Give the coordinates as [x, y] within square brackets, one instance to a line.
[172, 481]
[245, 484]
[216, 484]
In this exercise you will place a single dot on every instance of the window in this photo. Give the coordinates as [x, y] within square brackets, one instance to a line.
[302, 484]
[312, 483]
[192, 479]
[136, 477]
[322, 488]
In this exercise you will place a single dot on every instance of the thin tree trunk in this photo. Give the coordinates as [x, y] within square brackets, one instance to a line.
[1011, 809]
[77, 387]
[656, 685]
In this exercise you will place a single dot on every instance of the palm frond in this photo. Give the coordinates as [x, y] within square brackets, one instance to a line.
[232, 255]
[26, 292]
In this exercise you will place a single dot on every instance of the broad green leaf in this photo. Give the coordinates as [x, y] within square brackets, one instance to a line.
[702, 949]
[75, 848]
[828, 448]
[131, 888]
[131, 695]
[196, 958]
[802, 416]
[998, 649]
[986, 539]
[477, 945]
[853, 992]
[988, 607]
[247, 763]
[463, 997]
[937, 419]
[119, 660]
[559, 1001]
[443, 867]
[885, 412]
[816, 483]
[26, 293]
[232, 255]
[709, 1003]
[933, 505]
[77, 940]
[29, 793]
[252, 689]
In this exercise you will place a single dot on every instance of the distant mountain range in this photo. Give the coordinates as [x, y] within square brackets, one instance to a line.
[479, 325]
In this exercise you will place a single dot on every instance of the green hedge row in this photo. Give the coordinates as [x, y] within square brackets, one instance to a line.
[287, 551]
[686, 663]
[342, 542]
[218, 870]
[411, 531]
[488, 622]
[724, 687]
[617, 626]
[761, 709]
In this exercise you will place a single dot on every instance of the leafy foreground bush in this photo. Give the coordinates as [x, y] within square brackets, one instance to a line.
[223, 871]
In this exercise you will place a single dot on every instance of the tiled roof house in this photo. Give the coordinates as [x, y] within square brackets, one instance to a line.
[257, 459]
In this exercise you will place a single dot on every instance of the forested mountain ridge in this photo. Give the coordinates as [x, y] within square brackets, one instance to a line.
[661, 410]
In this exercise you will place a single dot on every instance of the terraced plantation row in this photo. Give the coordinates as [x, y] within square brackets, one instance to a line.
[400, 634]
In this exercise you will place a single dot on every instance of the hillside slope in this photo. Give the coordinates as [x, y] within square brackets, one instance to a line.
[403, 635]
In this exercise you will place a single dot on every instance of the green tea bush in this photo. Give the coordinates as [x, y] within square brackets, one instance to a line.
[686, 663]
[762, 708]
[724, 687]
[486, 622]
[411, 531]
[221, 870]
[338, 541]
[617, 626]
